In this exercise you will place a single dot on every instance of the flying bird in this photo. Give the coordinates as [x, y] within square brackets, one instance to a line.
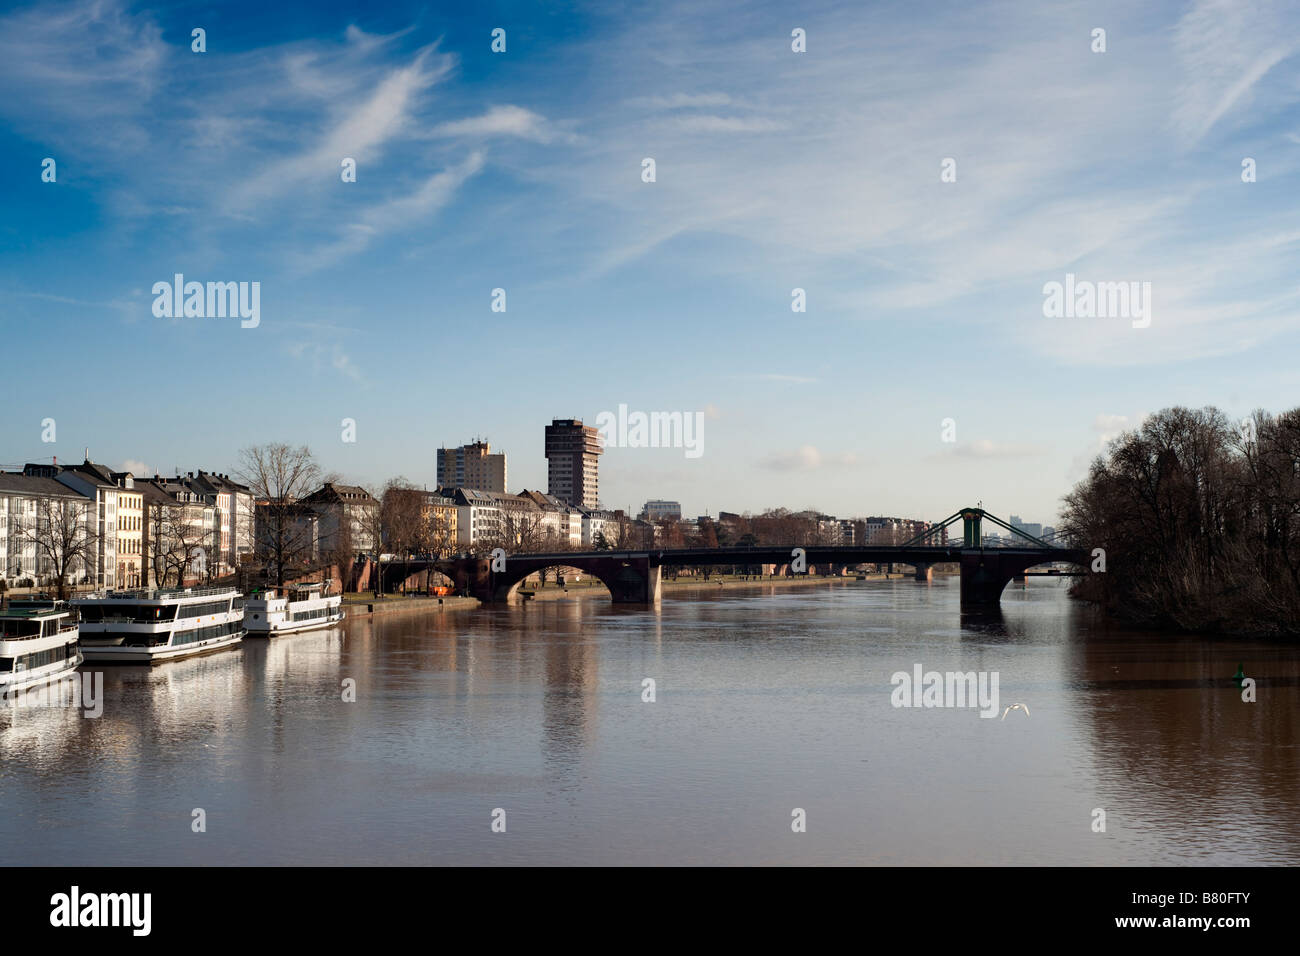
[1015, 707]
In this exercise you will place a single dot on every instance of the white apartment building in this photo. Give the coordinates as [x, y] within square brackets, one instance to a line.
[598, 523]
[234, 516]
[178, 518]
[27, 548]
[478, 516]
[531, 521]
[96, 483]
[346, 517]
[561, 523]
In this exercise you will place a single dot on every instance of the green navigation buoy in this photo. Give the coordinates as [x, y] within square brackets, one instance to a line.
[1238, 677]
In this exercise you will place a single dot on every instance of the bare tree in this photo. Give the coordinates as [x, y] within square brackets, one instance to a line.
[620, 532]
[1197, 522]
[341, 550]
[162, 529]
[191, 552]
[370, 529]
[279, 476]
[442, 533]
[524, 531]
[65, 539]
[403, 516]
[670, 533]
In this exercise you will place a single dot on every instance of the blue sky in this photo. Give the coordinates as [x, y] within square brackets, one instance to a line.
[522, 170]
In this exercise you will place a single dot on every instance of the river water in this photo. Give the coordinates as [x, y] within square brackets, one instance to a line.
[766, 701]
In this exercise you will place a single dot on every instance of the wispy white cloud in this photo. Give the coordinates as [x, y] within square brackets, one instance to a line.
[505, 121]
[1225, 48]
[705, 123]
[396, 213]
[79, 61]
[359, 133]
[325, 357]
[984, 448]
[833, 176]
[805, 458]
[679, 101]
[291, 112]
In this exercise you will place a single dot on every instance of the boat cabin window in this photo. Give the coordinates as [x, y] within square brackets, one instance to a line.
[26, 662]
[127, 613]
[19, 628]
[207, 607]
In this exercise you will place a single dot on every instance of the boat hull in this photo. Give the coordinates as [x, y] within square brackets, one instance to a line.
[28, 680]
[137, 654]
[261, 629]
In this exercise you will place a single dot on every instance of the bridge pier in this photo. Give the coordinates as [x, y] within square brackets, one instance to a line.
[474, 577]
[984, 574]
[633, 580]
[924, 572]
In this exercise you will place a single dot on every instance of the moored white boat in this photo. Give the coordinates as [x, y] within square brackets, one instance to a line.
[38, 644]
[145, 626]
[299, 607]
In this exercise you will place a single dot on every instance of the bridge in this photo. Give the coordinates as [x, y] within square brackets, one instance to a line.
[634, 576]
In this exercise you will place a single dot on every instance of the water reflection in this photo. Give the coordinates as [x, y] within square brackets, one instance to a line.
[766, 700]
[1171, 738]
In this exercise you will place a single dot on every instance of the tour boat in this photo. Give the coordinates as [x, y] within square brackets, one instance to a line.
[38, 644]
[144, 626]
[298, 607]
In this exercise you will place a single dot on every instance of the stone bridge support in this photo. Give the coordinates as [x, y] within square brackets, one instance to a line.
[630, 578]
[474, 577]
[984, 574]
[924, 572]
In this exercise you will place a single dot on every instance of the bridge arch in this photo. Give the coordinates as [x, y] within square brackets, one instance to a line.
[629, 578]
[505, 584]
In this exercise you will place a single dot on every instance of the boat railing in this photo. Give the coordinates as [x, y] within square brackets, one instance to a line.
[125, 617]
[162, 594]
[31, 637]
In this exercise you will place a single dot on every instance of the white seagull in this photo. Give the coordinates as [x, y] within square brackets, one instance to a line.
[1015, 707]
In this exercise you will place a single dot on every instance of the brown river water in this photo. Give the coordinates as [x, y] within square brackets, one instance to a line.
[767, 702]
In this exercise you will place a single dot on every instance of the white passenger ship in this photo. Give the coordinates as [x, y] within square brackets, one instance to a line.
[299, 607]
[38, 644]
[140, 627]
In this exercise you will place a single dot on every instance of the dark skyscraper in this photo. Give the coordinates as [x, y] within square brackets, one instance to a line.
[571, 452]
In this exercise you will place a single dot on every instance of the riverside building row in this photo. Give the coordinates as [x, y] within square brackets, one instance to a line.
[94, 527]
[111, 530]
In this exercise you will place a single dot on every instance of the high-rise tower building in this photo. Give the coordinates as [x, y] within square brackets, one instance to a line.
[572, 449]
[472, 466]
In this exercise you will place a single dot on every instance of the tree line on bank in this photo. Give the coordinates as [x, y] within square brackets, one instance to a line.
[1199, 519]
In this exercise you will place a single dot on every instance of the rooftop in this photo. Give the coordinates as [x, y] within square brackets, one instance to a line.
[16, 483]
